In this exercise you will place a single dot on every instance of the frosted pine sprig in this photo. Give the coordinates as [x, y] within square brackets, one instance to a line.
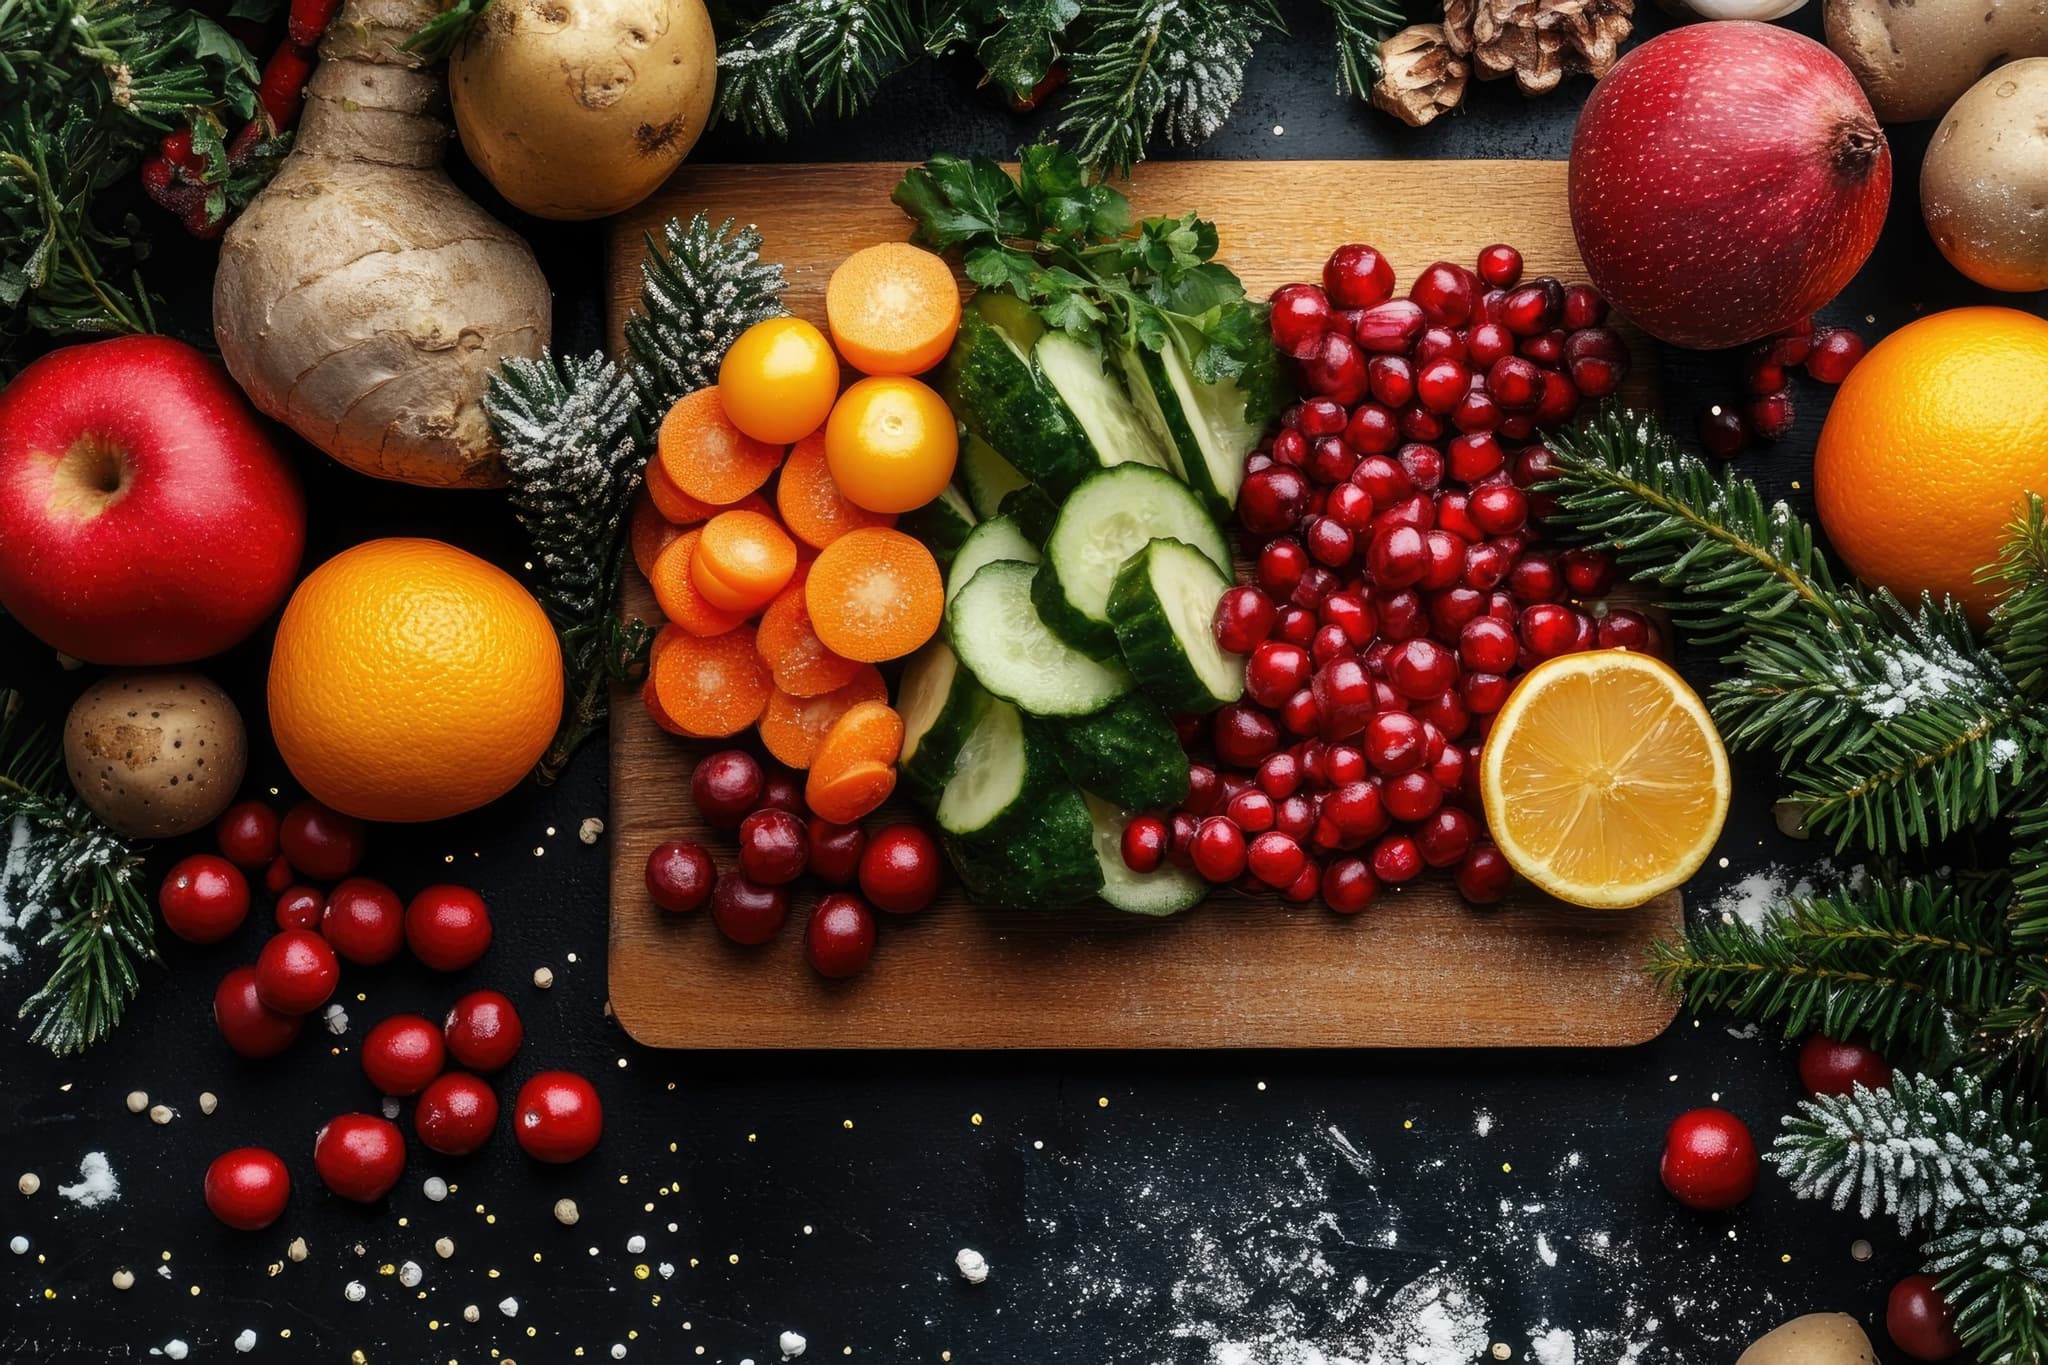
[701, 286]
[1925, 1154]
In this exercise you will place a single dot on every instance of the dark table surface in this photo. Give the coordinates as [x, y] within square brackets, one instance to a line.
[1232, 1208]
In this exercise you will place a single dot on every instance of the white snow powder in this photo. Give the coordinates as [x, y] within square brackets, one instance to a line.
[1556, 1346]
[245, 1341]
[1545, 1252]
[636, 1244]
[972, 1266]
[18, 1244]
[336, 1019]
[1482, 1123]
[15, 917]
[509, 1307]
[96, 1183]
[176, 1349]
[792, 1344]
[2003, 752]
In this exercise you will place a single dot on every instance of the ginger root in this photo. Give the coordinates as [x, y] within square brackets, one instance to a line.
[362, 298]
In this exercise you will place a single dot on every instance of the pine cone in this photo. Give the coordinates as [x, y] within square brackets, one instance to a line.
[1539, 42]
[1421, 76]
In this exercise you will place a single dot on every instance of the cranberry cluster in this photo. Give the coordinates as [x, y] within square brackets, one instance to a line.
[1399, 583]
[1827, 355]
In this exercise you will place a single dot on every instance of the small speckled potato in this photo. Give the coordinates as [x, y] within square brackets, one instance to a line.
[155, 754]
[1984, 184]
[1816, 1339]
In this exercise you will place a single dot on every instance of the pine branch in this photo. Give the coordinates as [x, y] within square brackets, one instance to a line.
[700, 288]
[804, 55]
[62, 864]
[1016, 41]
[1146, 67]
[2019, 623]
[1994, 1277]
[1362, 25]
[1908, 964]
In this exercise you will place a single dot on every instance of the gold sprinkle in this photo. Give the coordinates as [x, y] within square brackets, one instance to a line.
[641, 1272]
[671, 1146]
[1786, 1259]
[648, 1207]
[1102, 1102]
[195, 1288]
[124, 1278]
[490, 1218]
[846, 1123]
[492, 1272]
[284, 1333]
[693, 1266]
[1502, 1351]
[387, 1269]
[974, 1119]
[1507, 1168]
[536, 1258]
[167, 1255]
[624, 1178]
[1407, 1123]
[433, 1324]
[405, 1222]
[358, 1358]
[733, 1259]
[49, 1293]
[752, 1137]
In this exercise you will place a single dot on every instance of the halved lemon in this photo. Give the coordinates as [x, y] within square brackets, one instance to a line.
[1604, 779]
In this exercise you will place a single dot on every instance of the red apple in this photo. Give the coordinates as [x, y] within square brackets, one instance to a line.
[1727, 179]
[145, 516]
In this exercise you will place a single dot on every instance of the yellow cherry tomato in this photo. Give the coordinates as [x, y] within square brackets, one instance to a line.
[891, 444]
[778, 381]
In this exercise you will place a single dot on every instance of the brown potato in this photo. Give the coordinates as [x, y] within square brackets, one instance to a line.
[1984, 184]
[1913, 60]
[155, 754]
[1816, 1339]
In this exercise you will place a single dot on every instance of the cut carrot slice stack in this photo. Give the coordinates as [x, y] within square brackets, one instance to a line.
[743, 559]
[853, 769]
[712, 686]
[705, 456]
[802, 666]
[792, 728]
[812, 507]
[874, 594]
[677, 595]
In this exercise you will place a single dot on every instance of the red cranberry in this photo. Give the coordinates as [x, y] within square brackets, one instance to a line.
[1835, 352]
[1919, 1321]
[1769, 417]
[748, 913]
[1710, 1161]
[1244, 735]
[1588, 573]
[1330, 542]
[1350, 613]
[1332, 461]
[1219, 850]
[1451, 609]
[322, 843]
[1392, 382]
[1397, 557]
[1598, 361]
[1500, 266]
[1279, 776]
[1791, 346]
[1395, 859]
[782, 790]
[1290, 448]
[1348, 886]
[1295, 817]
[483, 1031]
[1321, 417]
[1244, 617]
[1372, 429]
[204, 898]
[1205, 792]
[1549, 630]
[300, 907]
[1446, 293]
[1395, 743]
[1487, 646]
[1250, 810]
[1827, 1067]
[1274, 670]
[1412, 797]
[1514, 383]
[558, 1117]
[402, 1053]
[1418, 423]
[1440, 343]
[1448, 770]
[1275, 859]
[774, 847]
[1621, 628]
[1343, 697]
[1487, 564]
[1762, 374]
[1181, 841]
[1384, 479]
[835, 851]
[359, 1156]
[1272, 500]
[1440, 383]
[247, 1188]
[1559, 401]
[1545, 348]
[680, 876]
[1498, 509]
[1445, 836]
[1483, 875]
[1516, 426]
[1144, 844]
[1357, 276]
[839, 941]
[247, 834]
[1358, 810]
[1297, 625]
[1446, 561]
[1342, 763]
[1424, 466]
[1483, 693]
[1487, 343]
[1336, 369]
[455, 1114]
[1476, 411]
[1299, 316]
[1583, 307]
[725, 786]
[447, 927]
[365, 921]
[1281, 564]
[1529, 309]
[899, 872]
[1388, 328]
[296, 972]
[278, 875]
[1453, 514]
[1536, 578]
[1421, 668]
[250, 1027]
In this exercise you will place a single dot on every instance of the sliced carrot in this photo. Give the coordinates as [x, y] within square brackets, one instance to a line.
[812, 507]
[662, 718]
[706, 456]
[793, 727]
[874, 594]
[713, 686]
[893, 309]
[868, 732]
[678, 597]
[803, 667]
[649, 532]
[851, 794]
[743, 559]
[675, 506]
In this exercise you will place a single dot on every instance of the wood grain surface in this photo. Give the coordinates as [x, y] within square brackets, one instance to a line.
[1419, 969]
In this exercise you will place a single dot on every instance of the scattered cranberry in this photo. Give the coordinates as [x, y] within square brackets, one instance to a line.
[746, 912]
[1349, 886]
[1827, 1067]
[300, 907]
[835, 851]
[364, 921]
[1219, 850]
[247, 835]
[1500, 266]
[1834, 353]
[725, 786]
[483, 1031]
[1919, 1320]
[322, 843]
[1144, 843]
[455, 1114]
[1300, 315]
[1244, 617]
[680, 876]
[1710, 1160]
[1483, 875]
[296, 972]
[1275, 859]
[899, 872]
[558, 1117]
[1357, 276]
[840, 938]
[1770, 416]
[402, 1053]
[250, 1027]
[359, 1156]
[247, 1188]
[447, 927]
[774, 847]
[204, 898]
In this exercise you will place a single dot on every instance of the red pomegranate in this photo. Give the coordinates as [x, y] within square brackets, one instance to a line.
[1727, 179]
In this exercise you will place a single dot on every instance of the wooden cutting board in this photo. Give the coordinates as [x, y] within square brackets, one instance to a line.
[1419, 969]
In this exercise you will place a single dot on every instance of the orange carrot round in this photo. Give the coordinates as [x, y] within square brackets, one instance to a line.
[652, 699]
[812, 507]
[706, 456]
[893, 309]
[793, 727]
[802, 666]
[675, 506]
[874, 594]
[712, 686]
[649, 532]
[743, 559]
[869, 732]
[677, 595]
[851, 794]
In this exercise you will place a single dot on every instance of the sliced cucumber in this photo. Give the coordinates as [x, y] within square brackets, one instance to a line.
[1077, 369]
[941, 703]
[996, 539]
[1109, 518]
[1016, 830]
[1209, 426]
[1138, 383]
[1168, 891]
[988, 476]
[999, 636]
[1164, 607]
[992, 780]
[1128, 753]
[1032, 510]
[998, 391]
[942, 524]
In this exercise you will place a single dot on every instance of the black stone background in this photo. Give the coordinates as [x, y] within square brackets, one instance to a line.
[1118, 1196]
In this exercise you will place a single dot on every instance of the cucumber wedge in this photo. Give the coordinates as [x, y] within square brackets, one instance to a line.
[1164, 607]
[1209, 426]
[1168, 891]
[1077, 369]
[999, 393]
[1109, 518]
[995, 539]
[994, 782]
[999, 636]
[1016, 830]
[988, 476]
[941, 703]
[1127, 753]
[942, 524]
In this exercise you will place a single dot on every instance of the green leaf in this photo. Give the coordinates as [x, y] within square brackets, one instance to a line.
[954, 200]
[1001, 267]
[211, 42]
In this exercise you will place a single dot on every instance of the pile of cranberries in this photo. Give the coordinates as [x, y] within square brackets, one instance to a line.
[779, 842]
[1827, 354]
[1399, 583]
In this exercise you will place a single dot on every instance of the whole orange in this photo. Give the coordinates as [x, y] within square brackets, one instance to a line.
[1931, 444]
[412, 681]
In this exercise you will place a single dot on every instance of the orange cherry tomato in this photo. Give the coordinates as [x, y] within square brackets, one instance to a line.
[778, 380]
[891, 444]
